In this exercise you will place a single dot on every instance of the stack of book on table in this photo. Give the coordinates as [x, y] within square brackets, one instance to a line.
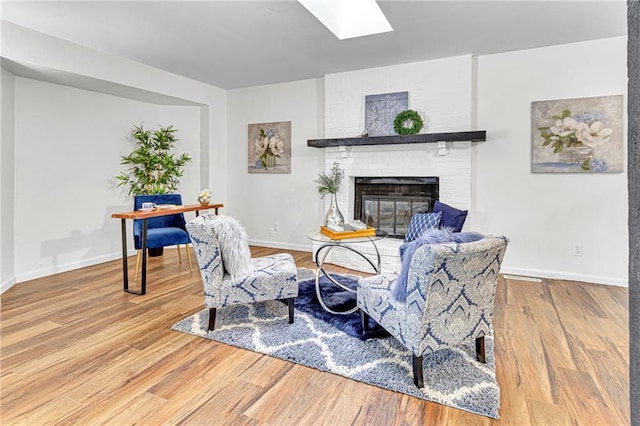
[347, 231]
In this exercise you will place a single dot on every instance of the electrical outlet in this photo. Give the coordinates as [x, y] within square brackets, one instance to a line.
[272, 233]
[577, 250]
[276, 226]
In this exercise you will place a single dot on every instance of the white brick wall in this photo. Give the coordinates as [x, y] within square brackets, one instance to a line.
[439, 90]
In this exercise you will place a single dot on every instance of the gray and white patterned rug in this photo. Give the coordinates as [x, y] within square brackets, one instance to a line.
[333, 343]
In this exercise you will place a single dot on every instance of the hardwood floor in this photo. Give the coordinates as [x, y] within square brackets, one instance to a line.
[76, 349]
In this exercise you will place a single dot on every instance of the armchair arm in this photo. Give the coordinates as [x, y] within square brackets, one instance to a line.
[384, 281]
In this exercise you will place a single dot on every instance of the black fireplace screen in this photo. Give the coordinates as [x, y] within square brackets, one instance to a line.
[388, 203]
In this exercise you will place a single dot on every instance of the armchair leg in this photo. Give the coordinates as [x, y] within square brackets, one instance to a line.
[480, 354]
[212, 318]
[290, 305]
[418, 377]
[179, 254]
[364, 320]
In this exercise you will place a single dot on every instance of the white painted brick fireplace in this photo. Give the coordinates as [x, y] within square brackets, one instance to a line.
[441, 91]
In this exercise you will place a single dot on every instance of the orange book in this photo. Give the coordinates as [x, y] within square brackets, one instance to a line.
[340, 235]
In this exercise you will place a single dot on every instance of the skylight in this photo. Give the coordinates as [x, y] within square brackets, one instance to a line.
[349, 18]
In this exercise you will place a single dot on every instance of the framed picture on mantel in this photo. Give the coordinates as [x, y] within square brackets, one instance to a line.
[381, 110]
[269, 147]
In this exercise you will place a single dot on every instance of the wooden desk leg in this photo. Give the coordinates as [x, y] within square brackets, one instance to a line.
[125, 270]
[143, 289]
[144, 257]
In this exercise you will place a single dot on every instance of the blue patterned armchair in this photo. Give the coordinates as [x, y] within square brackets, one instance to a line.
[265, 278]
[450, 294]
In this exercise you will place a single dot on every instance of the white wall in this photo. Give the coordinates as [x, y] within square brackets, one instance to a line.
[7, 269]
[546, 215]
[291, 200]
[68, 147]
[120, 93]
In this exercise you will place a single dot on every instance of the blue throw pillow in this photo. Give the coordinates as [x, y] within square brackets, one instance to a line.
[421, 222]
[451, 217]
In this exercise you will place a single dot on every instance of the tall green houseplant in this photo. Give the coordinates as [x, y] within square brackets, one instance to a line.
[153, 168]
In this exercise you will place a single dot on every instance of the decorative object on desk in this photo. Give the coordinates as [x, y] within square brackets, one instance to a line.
[153, 168]
[453, 376]
[204, 196]
[381, 110]
[330, 184]
[581, 135]
[365, 133]
[408, 122]
[270, 147]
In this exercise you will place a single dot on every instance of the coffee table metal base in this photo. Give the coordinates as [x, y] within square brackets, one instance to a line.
[321, 255]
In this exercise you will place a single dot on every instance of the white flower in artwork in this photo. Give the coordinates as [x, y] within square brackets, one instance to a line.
[595, 134]
[261, 145]
[564, 127]
[268, 147]
[276, 145]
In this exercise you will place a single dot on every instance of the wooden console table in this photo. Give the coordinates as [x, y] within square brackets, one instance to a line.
[144, 215]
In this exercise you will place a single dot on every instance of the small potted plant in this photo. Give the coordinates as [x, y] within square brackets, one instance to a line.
[329, 183]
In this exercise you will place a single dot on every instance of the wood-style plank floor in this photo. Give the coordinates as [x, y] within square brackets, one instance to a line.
[75, 349]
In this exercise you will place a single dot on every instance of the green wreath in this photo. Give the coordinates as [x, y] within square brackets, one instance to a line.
[405, 117]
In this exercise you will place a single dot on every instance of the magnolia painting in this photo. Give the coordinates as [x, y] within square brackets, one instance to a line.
[581, 135]
[270, 147]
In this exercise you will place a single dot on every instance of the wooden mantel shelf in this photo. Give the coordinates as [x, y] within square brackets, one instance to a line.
[473, 136]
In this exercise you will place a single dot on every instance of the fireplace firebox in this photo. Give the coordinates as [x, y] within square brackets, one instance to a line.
[388, 203]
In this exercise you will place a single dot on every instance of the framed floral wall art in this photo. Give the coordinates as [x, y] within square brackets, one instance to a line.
[270, 147]
[582, 135]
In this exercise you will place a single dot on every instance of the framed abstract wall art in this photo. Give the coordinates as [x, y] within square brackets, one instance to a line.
[582, 135]
[381, 110]
[269, 147]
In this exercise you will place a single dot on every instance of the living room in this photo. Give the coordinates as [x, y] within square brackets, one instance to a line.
[67, 110]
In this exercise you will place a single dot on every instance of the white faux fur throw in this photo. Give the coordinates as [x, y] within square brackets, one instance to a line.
[234, 248]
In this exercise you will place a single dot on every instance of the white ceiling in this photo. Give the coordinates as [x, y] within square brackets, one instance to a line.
[233, 44]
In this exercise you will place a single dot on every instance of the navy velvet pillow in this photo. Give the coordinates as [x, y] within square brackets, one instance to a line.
[433, 236]
[451, 217]
[421, 222]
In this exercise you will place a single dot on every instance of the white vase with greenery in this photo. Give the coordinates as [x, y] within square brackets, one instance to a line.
[329, 183]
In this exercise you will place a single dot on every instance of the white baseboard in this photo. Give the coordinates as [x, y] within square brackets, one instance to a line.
[7, 284]
[555, 275]
[280, 245]
[71, 266]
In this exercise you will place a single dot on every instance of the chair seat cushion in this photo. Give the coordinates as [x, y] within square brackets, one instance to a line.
[268, 278]
[162, 237]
